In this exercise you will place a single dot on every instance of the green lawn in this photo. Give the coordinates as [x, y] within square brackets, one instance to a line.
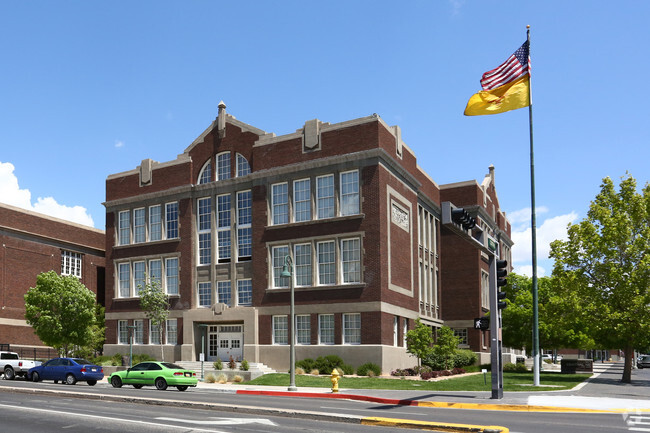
[476, 382]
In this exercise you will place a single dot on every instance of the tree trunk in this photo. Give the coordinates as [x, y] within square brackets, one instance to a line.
[627, 369]
[162, 352]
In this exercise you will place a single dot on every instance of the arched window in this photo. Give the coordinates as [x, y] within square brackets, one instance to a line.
[243, 168]
[205, 175]
[223, 166]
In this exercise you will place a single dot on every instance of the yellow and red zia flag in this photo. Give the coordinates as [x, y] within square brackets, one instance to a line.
[505, 88]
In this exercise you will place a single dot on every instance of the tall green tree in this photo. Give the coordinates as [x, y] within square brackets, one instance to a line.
[419, 340]
[61, 311]
[445, 347]
[155, 304]
[603, 268]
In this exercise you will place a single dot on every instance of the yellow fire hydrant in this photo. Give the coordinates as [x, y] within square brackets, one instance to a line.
[335, 380]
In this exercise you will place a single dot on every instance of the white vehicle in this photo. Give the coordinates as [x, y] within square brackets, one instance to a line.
[13, 366]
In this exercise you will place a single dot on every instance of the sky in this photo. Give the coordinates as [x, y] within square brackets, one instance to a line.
[91, 88]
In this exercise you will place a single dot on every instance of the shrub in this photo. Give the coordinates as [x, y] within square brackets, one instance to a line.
[232, 364]
[515, 368]
[428, 375]
[306, 364]
[464, 357]
[143, 357]
[368, 367]
[422, 369]
[218, 365]
[458, 370]
[328, 363]
[237, 379]
[222, 378]
[403, 372]
[210, 378]
[116, 359]
[300, 370]
[347, 369]
[314, 372]
[244, 365]
[371, 373]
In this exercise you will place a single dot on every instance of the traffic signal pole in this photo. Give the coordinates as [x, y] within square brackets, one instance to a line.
[495, 332]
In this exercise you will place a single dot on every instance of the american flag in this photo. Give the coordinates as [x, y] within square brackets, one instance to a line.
[516, 66]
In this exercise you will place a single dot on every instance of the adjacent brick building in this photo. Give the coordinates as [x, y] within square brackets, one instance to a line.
[346, 202]
[33, 243]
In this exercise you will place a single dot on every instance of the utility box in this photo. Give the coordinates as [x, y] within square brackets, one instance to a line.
[577, 366]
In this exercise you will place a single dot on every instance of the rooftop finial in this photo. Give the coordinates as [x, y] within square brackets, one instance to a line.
[221, 120]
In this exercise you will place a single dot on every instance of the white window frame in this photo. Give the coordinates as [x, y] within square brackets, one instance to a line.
[205, 175]
[280, 330]
[280, 203]
[395, 330]
[139, 279]
[350, 262]
[324, 330]
[172, 223]
[303, 329]
[462, 335]
[245, 292]
[124, 227]
[154, 334]
[138, 331]
[223, 166]
[351, 332]
[154, 275]
[244, 225]
[204, 293]
[171, 330]
[302, 200]
[243, 167]
[139, 226]
[326, 269]
[172, 283]
[71, 263]
[204, 230]
[224, 222]
[155, 223]
[278, 253]
[302, 265]
[325, 197]
[124, 284]
[350, 203]
[224, 292]
[122, 331]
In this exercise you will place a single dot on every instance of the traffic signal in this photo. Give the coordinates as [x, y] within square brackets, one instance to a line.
[482, 323]
[501, 281]
[461, 217]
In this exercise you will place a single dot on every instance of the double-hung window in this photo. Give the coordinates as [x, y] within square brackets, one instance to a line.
[302, 200]
[139, 226]
[205, 294]
[171, 220]
[302, 264]
[122, 332]
[349, 193]
[352, 328]
[154, 333]
[280, 330]
[138, 277]
[224, 295]
[155, 223]
[326, 329]
[326, 263]
[303, 329]
[172, 331]
[171, 275]
[155, 272]
[123, 227]
[124, 279]
[244, 230]
[243, 168]
[244, 292]
[138, 332]
[223, 228]
[278, 255]
[223, 166]
[71, 263]
[325, 196]
[280, 203]
[204, 216]
[351, 260]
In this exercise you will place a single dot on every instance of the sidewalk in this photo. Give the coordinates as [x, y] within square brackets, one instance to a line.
[603, 392]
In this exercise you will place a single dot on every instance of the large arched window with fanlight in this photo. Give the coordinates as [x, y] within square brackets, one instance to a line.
[243, 168]
[205, 175]
[223, 166]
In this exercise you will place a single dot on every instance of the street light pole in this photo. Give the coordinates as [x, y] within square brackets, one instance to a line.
[132, 328]
[287, 271]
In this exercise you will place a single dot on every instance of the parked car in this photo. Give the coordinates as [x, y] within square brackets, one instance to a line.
[158, 374]
[13, 366]
[67, 370]
[643, 361]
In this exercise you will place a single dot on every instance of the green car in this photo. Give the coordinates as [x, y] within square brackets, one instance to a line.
[159, 374]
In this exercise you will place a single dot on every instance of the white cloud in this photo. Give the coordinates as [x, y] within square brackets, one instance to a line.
[119, 143]
[523, 215]
[456, 6]
[11, 194]
[527, 270]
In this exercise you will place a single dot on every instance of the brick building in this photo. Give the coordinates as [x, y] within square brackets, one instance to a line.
[33, 243]
[347, 202]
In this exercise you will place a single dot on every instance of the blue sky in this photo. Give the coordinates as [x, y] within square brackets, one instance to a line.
[91, 88]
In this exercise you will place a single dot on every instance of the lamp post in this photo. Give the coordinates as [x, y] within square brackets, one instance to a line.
[287, 271]
[132, 328]
[202, 327]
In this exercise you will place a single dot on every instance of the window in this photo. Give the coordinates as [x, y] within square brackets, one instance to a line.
[395, 330]
[138, 277]
[172, 331]
[171, 272]
[326, 329]
[138, 332]
[350, 193]
[123, 228]
[205, 176]
[223, 228]
[71, 263]
[303, 329]
[302, 200]
[122, 332]
[124, 279]
[223, 292]
[223, 166]
[155, 271]
[171, 220]
[280, 203]
[154, 333]
[404, 331]
[139, 232]
[325, 196]
[205, 294]
[302, 264]
[326, 263]
[280, 331]
[244, 230]
[351, 260]
[155, 223]
[204, 215]
[461, 333]
[352, 328]
[243, 168]
[244, 292]
[279, 253]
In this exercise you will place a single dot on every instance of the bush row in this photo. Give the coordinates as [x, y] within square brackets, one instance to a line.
[326, 364]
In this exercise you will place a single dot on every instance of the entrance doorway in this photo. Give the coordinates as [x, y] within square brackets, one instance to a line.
[225, 341]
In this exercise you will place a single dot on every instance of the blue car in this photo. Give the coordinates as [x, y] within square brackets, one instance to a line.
[67, 370]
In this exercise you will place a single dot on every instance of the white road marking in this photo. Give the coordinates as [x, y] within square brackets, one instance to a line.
[75, 414]
[222, 421]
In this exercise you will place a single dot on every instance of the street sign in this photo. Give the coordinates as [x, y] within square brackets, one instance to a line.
[492, 244]
[482, 323]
